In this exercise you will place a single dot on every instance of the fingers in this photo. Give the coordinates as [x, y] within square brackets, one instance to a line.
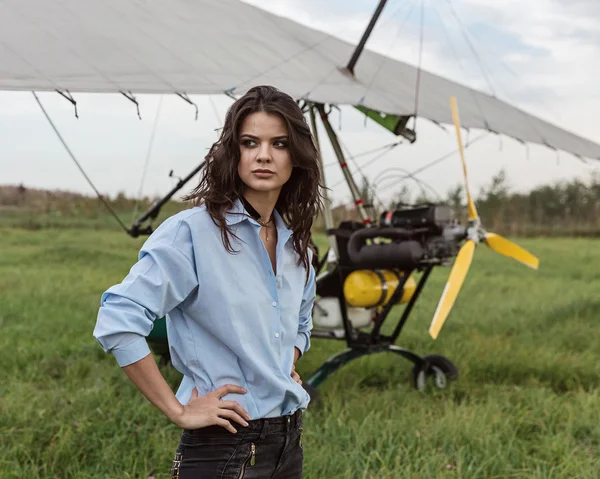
[226, 424]
[295, 375]
[236, 407]
[234, 416]
[228, 389]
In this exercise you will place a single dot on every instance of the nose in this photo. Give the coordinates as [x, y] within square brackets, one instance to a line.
[264, 153]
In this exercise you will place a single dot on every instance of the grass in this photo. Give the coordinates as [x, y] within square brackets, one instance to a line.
[527, 404]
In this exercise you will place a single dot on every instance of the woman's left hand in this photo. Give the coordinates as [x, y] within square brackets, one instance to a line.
[295, 375]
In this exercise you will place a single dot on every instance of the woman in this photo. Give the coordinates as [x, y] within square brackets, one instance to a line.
[233, 275]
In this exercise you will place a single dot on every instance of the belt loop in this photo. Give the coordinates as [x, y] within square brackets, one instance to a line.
[263, 432]
[288, 423]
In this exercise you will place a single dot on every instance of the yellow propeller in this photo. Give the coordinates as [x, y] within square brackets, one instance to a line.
[508, 248]
[475, 234]
[456, 120]
[455, 281]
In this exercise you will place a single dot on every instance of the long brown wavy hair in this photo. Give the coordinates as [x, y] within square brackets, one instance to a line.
[220, 185]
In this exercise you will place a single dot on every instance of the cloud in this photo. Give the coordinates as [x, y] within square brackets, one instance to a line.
[539, 54]
[556, 74]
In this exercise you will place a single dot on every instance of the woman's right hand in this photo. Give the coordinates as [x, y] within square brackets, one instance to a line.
[209, 410]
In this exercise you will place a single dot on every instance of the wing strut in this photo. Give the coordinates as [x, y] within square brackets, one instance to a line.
[327, 213]
[136, 228]
[365, 37]
[358, 201]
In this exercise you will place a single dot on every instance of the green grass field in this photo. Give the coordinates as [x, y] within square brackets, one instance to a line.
[527, 403]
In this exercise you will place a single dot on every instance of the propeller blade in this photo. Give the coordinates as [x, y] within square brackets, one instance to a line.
[456, 120]
[508, 248]
[455, 281]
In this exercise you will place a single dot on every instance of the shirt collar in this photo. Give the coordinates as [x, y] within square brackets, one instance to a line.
[238, 213]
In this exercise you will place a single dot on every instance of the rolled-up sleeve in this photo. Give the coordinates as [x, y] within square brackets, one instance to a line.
[162, 278]
[305, 320]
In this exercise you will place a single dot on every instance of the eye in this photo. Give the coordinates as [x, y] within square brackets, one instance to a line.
[248, 143]
[280, 144]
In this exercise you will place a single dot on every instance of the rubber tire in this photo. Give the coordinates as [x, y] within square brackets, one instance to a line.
[438, 366]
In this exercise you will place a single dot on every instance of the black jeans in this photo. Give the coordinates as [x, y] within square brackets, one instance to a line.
[267, 448]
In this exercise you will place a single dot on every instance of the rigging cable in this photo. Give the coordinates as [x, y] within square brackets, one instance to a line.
[368, 152]
[383, 153]
[306, 48]
[458, 61]
[100, 197]
[373, 160]
[152, 136]
[383, 60]
[370, 187]
[421, 183]
[364, 177]
[468, 40]
[417, 86]
[442, 158]
[527, 118]
[336, 69]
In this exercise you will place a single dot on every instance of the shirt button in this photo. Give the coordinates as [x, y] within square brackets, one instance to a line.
[276, 335]
[274, 304]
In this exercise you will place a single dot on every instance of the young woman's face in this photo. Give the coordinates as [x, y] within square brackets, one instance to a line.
[265, 163]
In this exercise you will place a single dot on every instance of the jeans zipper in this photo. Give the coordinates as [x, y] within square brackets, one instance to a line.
[252, 460]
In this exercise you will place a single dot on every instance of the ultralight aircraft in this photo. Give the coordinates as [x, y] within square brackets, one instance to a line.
[208, 47]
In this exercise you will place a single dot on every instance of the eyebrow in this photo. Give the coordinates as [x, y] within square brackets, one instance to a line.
[253, 137]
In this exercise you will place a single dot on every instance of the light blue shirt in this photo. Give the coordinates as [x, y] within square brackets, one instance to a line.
[230, 319]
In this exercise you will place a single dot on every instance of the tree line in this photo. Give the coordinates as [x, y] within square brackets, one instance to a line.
[565, 208]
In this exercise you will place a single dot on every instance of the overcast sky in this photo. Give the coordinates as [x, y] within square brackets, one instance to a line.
[541, 55]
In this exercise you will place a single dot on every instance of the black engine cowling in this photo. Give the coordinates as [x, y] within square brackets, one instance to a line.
[403, 252]
[434, 217]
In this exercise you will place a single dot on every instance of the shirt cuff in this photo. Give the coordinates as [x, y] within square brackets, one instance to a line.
[132, 352]
[301, 343]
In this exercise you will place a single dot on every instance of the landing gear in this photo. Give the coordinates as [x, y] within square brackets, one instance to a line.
[430, 366]
[434, 366]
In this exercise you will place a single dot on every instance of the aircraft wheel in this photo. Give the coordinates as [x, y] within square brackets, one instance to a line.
[440, 369]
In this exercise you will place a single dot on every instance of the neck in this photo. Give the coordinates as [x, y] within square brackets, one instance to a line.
[263, 202]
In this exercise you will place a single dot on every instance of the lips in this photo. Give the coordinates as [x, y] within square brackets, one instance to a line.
[263, 173]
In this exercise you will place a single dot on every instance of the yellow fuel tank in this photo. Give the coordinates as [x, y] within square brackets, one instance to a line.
[367, 288]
